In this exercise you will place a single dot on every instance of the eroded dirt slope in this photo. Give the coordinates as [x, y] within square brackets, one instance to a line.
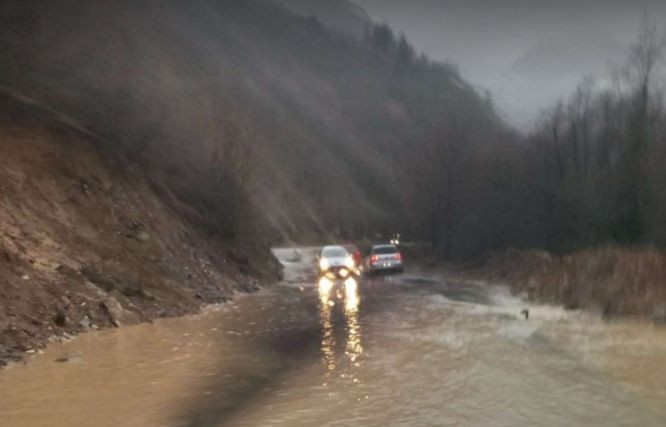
[87, 242]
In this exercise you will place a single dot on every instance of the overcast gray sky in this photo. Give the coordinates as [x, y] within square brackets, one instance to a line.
[528, 53]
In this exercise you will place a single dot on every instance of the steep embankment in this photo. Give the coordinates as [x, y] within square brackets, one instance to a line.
[612, 281]
[331, 121]
[87, 242]
[188, 128]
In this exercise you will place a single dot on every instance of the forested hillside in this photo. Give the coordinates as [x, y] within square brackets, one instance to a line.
[261, 121]
[595, 164]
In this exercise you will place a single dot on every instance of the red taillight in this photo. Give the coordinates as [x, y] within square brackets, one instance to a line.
[374, 258]
[398, 256]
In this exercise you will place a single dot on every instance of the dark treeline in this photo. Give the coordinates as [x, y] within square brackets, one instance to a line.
[597, 161]
[460, 189]
[591, 173]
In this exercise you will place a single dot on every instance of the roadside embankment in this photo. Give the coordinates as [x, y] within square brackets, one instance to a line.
[88, 242]
[616, 282]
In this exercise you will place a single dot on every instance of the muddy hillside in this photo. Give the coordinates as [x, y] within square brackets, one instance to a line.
[86, 243]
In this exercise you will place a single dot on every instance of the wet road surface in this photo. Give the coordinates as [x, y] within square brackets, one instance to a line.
[395, 350]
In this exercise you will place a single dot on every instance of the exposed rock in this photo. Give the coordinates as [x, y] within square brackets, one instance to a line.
[116, 313]
[71, 269]
[69, 358]
[142, 236]
[238, 257]
[85, 323]
[60, 319]
[98, 278]
[66, 270]
[5, 255]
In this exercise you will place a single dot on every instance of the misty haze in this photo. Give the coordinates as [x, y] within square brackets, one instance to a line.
[528, 54]
[332, 213]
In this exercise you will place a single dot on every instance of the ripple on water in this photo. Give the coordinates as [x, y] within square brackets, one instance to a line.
[413, 359]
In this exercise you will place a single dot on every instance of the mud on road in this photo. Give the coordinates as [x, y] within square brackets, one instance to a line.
[392, 350]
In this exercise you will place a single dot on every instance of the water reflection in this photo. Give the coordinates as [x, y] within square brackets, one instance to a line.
[328, 335]
[328, 294]
[354, 347]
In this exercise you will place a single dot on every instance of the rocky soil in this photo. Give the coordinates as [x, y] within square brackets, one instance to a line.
[87, 242]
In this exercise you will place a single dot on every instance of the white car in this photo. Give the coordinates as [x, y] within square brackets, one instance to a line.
[335, 261]
[384, 258]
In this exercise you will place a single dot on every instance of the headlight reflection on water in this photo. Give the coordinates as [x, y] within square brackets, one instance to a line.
[352, 300]
[325, 286]
[328, 335]
[354, 346]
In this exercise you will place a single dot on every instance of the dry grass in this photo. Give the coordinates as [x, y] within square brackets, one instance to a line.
[614, 281]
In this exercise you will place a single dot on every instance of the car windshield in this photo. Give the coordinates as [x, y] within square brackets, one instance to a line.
[334, 252]
[384, 250]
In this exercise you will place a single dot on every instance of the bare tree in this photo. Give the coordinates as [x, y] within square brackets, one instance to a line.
[438, 177]
[646, 57]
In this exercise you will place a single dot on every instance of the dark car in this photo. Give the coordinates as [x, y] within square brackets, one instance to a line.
[383, 258]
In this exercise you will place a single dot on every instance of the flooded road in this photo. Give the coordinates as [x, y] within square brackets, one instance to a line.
[402, 350]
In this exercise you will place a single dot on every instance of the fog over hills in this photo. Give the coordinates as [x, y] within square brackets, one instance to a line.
[207, 95]
[527, 53]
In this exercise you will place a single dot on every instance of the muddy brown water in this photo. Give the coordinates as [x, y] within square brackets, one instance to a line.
[403, 350]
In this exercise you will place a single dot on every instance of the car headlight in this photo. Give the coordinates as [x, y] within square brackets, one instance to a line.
[349, 262]
[323, 264]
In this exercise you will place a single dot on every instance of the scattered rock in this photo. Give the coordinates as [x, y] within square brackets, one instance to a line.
[25, 277]
[248, 287]
[4, 254]
[66, 270]
[85, 323]
[99, 279]
[238, 257]
[141, 236]
[69, 358]
[115, 312]
[60, 319]
[137, 231]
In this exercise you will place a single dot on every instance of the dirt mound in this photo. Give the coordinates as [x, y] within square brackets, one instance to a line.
[86, 242]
